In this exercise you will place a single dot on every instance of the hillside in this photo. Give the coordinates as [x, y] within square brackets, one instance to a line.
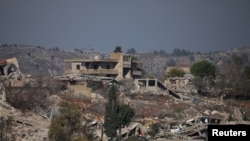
[156, 64]
[40, 60]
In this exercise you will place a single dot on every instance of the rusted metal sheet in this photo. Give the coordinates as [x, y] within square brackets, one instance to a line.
[3, 62]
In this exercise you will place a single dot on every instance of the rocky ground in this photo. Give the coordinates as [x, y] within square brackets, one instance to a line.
[166, 110]
[26, 126]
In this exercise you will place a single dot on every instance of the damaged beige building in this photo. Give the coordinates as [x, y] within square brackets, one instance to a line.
[118, 66]
[8, 65]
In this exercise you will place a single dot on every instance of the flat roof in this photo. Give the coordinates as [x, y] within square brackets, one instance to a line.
[90, 60]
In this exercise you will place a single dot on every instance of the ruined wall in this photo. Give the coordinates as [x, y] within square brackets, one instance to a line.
[79, 90]
[180, 84]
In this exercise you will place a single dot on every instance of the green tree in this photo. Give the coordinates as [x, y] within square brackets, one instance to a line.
[198, 83]
[180, 52]
[154, 129]
[131, 51]
[116, 115]
[126, 113]
[111, 118]
[118, 49]
[57, 131]
[175, 72]
[202, 69]
[69, 120]
[155, 52]
[162, 52]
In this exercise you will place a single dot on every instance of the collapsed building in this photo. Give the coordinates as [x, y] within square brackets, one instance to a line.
[150, 85]
[12, 81]
[8, 65]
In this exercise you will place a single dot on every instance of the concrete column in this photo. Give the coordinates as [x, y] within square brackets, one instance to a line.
[4, 95]
[6, 69]
[147, 83]
[3, 92]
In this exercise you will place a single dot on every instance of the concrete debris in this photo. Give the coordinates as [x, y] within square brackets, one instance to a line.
[194, 128]
[133, 129]
[28, 125]
[238, 114]
[8, 66]
[180, 85]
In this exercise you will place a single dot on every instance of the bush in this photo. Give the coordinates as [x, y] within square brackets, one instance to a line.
[175, 73]
[26, 98]
[68, 122]
[154, 129]
[202, 69]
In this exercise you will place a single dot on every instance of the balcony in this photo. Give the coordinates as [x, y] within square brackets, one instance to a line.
[99, 71]
[136, 73]
[126, 64]
[137, 64]
[68, 71]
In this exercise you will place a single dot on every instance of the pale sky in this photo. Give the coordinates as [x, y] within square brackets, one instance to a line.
[146, 25]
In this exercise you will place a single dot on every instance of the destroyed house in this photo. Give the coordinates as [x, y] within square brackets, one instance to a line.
[118, 65]
[8, 65]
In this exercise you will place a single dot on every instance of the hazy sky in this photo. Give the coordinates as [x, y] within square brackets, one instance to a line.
[146, 25]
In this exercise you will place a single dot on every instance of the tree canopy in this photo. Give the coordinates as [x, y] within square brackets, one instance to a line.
[181, 52]
[116, 115]
[203, 68]
[175, 72]
[126, 113]
[111, 122]
[131, 51]
[118, 49]
[64, 125]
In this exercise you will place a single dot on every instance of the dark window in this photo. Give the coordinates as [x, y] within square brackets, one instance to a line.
[87, 64]
[108, 67]
[78, 67]
[151, 82]
[1, 71]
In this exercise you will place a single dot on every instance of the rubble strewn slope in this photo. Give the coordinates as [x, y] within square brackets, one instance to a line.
[38, 60]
